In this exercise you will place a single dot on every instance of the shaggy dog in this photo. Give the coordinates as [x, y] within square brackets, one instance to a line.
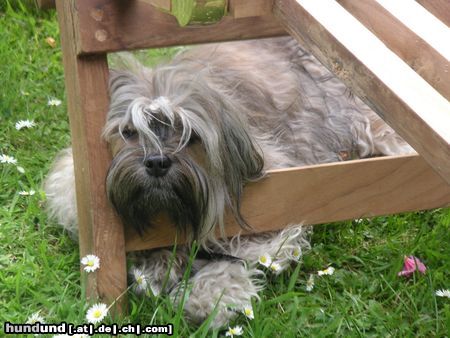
[186, 136]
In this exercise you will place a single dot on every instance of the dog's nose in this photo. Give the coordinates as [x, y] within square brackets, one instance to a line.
[157, 165]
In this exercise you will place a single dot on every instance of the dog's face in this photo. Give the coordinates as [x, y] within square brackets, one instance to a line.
[179, 147]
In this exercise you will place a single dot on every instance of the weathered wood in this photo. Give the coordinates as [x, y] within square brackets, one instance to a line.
[422, 23]
[165, 5]
[412, 49]
[388, 85]
[249, 8]
[100, 232]
[109, 25]
[324, 193]
[439, 8]
[46, 4]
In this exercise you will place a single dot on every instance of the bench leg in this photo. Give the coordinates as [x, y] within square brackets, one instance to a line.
[100, 231]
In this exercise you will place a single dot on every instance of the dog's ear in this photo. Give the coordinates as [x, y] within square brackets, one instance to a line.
[234, 155]
[242, 159]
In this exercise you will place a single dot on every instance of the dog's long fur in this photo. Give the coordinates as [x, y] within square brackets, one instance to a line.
[221, 115]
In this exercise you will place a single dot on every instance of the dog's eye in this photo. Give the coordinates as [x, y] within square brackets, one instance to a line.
[128, 133]
[194, 138]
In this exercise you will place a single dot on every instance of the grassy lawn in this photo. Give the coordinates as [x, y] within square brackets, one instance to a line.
[39, 263]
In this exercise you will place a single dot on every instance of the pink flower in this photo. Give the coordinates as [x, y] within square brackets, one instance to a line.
[412, 264]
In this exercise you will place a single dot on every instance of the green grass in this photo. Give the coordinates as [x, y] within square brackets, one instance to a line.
[39, 264]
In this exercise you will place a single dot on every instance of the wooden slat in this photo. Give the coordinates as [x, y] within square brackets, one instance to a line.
[248, 8]
[100, 232]
[165, 5]
[419, 55]
[388, 85]
[325, 193]
[422, 23]
[110, 25]
[439, 8]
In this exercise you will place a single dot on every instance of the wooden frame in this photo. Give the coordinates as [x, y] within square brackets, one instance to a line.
[419, 113]
[109, 26]
[324, 193]
[100, 232]
[92, 28]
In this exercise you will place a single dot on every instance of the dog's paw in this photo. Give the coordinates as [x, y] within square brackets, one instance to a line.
[220, 287]
[283, 246]
[162, 270]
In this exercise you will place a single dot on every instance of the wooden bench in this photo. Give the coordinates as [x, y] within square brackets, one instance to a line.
[399, 67]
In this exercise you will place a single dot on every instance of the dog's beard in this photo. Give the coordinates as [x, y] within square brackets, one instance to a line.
[139, 197]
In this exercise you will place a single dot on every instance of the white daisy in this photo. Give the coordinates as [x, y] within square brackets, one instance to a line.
[7, 159]
[310, 283]
[90, 262]
[234, 331]
[54, 102]
[96, 313]
[27, 193]
[140, 279]
[265, 260]
[248, 312]
[358, 220]
[443, 293]
[25, 124]
[34, 318]
[297, 253]
[20, 169]
[275, 267]
[328, 271]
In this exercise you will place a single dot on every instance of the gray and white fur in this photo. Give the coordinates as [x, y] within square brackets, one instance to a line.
[186, 137]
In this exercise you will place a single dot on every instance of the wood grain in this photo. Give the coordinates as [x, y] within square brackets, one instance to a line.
[439, 8]
[160, 4]
[112, 25]
[249, 8]
[380, 78]
[421, 22]
[100, 232]
[416, 52]
[324, 193]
